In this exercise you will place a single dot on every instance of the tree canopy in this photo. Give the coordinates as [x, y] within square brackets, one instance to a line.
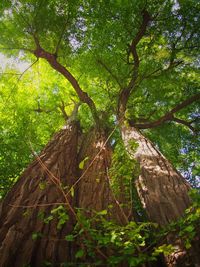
[121, 81]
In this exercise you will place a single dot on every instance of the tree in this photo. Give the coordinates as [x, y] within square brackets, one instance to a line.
[131, 70]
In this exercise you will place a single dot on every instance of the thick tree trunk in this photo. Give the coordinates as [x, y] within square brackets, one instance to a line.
[47, 181]
[93, 186]
[35, 193]
[44, 184]
[94, 190]
[162, 190]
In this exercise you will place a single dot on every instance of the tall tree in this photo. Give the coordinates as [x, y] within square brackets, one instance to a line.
[131, 71]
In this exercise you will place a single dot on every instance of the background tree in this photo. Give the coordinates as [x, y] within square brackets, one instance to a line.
[113, 71]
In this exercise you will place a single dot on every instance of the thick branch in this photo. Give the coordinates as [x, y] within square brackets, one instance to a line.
[169, 116]
[52, 60]
[145, 20]
[125, 92]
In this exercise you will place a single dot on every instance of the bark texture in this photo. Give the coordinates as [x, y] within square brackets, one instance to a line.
[44, 184]
[47, 182]
[56, 164]
[93, 186]
[162, 190]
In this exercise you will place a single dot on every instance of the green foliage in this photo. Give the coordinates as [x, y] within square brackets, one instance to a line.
[82, 163]
[92, 39]
[59, 214]
[85, 41]
[133, 243]
[186, 228]
[189, 225]
[122, 168]
[36, 235]
[122, 243]
[124, 171]
[163, 249]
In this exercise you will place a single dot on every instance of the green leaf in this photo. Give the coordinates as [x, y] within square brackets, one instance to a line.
[69, 238]
[42, 185]
[72, 191]
[188, 244]
[102, 212]
[79, 254]
[63, 218]
[189, 228]
[48, 219]
[36, 235]
[56, 210]
[82, 163]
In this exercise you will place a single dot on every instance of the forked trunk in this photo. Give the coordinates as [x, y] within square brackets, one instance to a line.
[28, 233]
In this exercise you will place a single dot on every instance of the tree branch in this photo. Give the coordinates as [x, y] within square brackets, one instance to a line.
[52, 60]
[132, 49]
[62, 108]
[160, 71]
[169, 116]
[125, 92]
[60, 39]
[186, 123]
[110, 72]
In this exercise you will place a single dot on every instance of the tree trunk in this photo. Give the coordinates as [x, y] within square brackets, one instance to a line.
[162, 190]
[93, 186]
[44, 185]
[94, 190]
[25, 236]
[34, 195]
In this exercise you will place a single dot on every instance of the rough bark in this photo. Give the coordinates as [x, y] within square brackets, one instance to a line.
[94, 190]
[93, 186]
[162, 190]
[56, 164]
[57, 169]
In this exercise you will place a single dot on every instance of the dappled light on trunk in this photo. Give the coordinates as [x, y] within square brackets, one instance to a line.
[162, 190]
